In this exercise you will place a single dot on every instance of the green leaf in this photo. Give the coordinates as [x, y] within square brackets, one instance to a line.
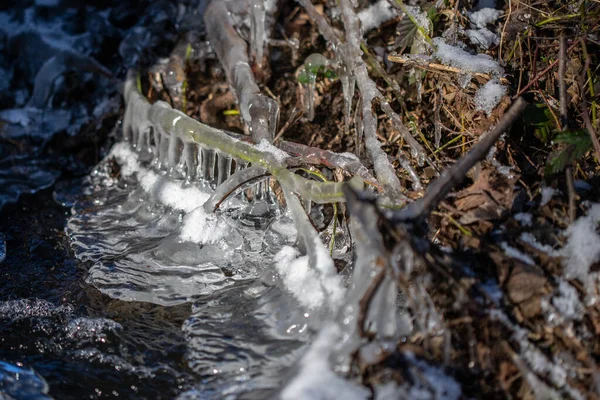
[578, 143]
[405, 32]
[540, 118]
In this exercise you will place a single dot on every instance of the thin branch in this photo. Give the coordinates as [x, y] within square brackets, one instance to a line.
[350, 52]
[434, 67]
[542, 73]
[585, 112]
[438, 189]
[564, 118]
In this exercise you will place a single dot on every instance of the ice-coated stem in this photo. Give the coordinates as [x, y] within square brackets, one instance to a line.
[232, 184]
[260, 113]
[257, 30]
[169, 125]
[350, 53]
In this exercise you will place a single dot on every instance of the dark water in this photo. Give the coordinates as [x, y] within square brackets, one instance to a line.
[84, 344]
[53, 326]
[61, 337]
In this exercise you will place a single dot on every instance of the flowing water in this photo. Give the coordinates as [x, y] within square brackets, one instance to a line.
[108, 288]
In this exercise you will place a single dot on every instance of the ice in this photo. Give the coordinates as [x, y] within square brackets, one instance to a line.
[267, 147]
[260, 113]
[376, 14]
[421, 17]
[313, 65]
[459, 58]
[489, 95]
[18, 382]
[312, 277]
[582, 249]
[316, 379]
[257, 30]
[17, 116]
[484, 16]
[2, 247]
[169, 193]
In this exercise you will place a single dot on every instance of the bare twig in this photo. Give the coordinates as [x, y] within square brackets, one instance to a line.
[542, 73]
[564, 117]
[350, 52]
[438, 67]
[585, 112]
[314, 155]
[453, 176]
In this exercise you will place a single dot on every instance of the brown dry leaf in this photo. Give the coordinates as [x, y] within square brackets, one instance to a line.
[487, 198]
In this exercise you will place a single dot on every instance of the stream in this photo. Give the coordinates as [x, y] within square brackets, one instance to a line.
[98, 297]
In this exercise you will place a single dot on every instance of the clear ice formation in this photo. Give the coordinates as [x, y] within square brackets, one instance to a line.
[190, 169]
[350, 53]
[260, 113]
[172, 133]
[257, 30]
[54, 67]
[2, 247]
[20, 382]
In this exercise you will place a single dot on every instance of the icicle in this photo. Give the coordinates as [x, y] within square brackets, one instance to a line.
[141, 139]
[190, 154]
[208, 165]
[163, 152]
[257, 31]
[232, 51]
[307, 76]
[174, 153]
[222, 165]
[348, 81]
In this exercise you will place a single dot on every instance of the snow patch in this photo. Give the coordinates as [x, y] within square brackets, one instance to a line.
[459, 58]
[489, 95]
[525, 219]
[376, 14]
[583, 245]
[547, 194]
[567, 301]
[516, 254]
[315, 378]
[169, 193]
[312, 286]
[484, 16]
[484, 38]
[202, 227]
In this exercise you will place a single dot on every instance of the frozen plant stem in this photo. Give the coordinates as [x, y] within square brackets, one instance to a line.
[350, 53]
[260, 113]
